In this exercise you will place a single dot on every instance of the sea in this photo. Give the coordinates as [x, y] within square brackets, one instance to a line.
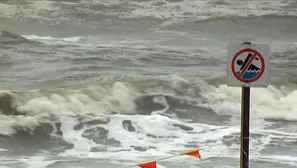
[115, 83]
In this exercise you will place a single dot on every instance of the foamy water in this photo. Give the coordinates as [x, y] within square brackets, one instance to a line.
[116, 83]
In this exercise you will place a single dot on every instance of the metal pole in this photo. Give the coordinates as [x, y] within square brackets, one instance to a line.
[245, 127]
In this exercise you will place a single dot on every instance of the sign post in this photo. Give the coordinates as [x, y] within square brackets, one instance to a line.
[247, 67]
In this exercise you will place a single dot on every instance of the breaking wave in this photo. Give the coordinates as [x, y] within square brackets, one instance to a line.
[177, 98]
[169, 11]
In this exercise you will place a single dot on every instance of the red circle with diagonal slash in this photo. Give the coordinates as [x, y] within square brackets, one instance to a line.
[250, 51]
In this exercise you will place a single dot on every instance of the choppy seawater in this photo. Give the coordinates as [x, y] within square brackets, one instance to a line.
[111, 83]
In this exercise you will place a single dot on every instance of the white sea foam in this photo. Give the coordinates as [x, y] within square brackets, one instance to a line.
[207, 137]
[174, 11]
[266, 103]
[53, 39]
[271, 102]
[99, 101]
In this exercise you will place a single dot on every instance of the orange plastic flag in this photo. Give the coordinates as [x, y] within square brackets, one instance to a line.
[152, 164]
[194, 153]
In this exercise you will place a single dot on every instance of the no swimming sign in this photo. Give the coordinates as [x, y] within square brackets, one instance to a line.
[248, 65]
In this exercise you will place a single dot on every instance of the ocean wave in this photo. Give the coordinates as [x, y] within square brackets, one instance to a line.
[184, 99]
[175, 11]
